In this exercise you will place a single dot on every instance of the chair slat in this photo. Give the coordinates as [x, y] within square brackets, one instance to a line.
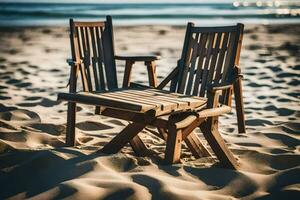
[211, 39]
[87, 58]
[109, 56]
[193, 63]
[220, 61]
[215, 52]
[159, 98]
[183, 69]
[99, 33]
[78, 48]
[94, 58]
[229, 58]
[202, 50]
[214, 29]
[133, 95]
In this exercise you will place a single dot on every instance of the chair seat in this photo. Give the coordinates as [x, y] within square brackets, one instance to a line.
[139, 100]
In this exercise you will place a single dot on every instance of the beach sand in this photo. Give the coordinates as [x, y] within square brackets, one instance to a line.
[35, 164]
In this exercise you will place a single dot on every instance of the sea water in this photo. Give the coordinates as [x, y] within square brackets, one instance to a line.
[129, 12]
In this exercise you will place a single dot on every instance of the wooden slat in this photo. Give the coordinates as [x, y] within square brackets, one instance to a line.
[79, 52]
[192, 66]
[77, 36]
[100, 57]
[220, 61]
[215, 53]
[109, 55]
[193, 101]
[214, 29]
[94, 59]
[157, 96]
[86, 80]
[165, 105]
[229, 56]
[183, 69]
[131, 99]
[206, 64]
[199, 70]
[134, 99]
[88, 24]
[87, 59]
[100, 100]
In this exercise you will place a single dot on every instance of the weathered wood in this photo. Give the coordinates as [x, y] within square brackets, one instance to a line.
[151, 68]
[193, 63]
[109, 55]
[199, 70]
[196, 147]
[239, 106]
[71, 119]
[215, 140]
[147, 58]
[173, 147]
[138, 146]
[220, 62]
[100, 100]
[120, 140]
[214, 52]
[99, 32]
[214, 29]
[211, 39]
[171, 76]
[88, 24]
[183, 70]
[127, 73]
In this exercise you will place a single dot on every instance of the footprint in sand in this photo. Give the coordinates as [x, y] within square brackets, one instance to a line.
[20, 117]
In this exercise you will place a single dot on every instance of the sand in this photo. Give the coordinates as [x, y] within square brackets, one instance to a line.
[35, 164]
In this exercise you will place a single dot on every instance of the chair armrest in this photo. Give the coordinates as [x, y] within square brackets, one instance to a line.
[216, 87]
[72, 62]
[148, 58]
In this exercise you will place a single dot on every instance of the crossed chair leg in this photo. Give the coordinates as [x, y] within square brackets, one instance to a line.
[209, 128]
[174, 137]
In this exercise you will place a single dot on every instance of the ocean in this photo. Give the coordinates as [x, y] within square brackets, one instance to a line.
[146, 12]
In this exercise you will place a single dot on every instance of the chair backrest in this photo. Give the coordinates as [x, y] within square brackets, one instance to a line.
[93, 50]
[209, 55]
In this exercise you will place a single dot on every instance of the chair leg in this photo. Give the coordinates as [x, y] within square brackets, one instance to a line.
[173, 148]
[192, 141]
[151, 68]
[71, 119]
[196, 147]
[215, 140]
[239, 106]
[139, 147]
[127, 73]
[127, 134]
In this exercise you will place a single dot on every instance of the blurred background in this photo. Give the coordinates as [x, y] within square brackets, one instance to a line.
[130, 12]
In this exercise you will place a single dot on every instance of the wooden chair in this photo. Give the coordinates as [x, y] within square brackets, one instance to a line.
[209, 64]
[210, 57]
[93, 59]
[216, 52]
